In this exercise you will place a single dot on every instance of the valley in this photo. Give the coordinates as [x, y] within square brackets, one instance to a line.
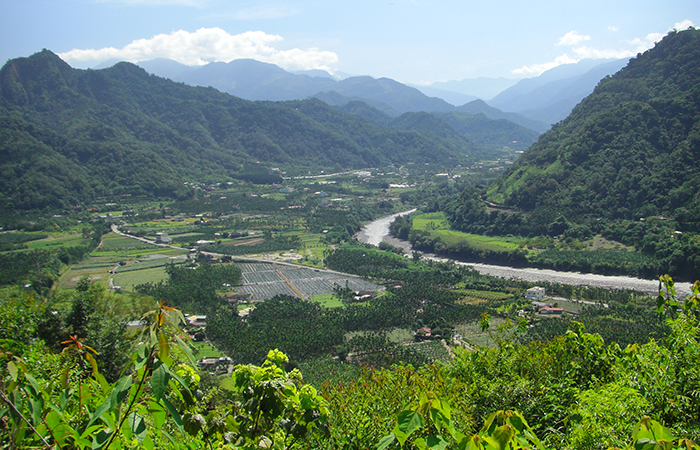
[182, 268]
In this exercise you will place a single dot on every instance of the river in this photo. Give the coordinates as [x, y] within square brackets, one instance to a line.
[378, 231]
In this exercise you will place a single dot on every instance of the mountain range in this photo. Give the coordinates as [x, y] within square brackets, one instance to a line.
[629, 150]
[69, 135]
[544, 100]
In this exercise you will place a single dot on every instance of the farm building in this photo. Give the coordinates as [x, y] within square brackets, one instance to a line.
[548, 310]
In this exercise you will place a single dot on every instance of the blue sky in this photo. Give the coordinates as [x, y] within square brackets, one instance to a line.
[411, 41]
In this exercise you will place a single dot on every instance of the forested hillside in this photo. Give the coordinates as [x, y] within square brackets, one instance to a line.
[72, 135]
[623, 164]
[629, 150]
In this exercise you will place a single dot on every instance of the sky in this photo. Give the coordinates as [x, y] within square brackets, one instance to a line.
[411, 41]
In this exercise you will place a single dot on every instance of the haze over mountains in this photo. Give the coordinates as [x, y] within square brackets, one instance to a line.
[121, 130]
[68, 135]
[543, 100]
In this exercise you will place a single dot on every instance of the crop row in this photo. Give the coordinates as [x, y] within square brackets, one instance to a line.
[266, 291]
[260, 277]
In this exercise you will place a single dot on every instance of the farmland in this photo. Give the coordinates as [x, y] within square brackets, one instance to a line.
[265, 280]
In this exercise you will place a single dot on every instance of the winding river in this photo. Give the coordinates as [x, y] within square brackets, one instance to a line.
[378, 231]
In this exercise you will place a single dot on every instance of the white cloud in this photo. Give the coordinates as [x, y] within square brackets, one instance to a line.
[634, 46]
[613, 28]
[573, 38]
[684, 25]
[538, 69]
[207, 45]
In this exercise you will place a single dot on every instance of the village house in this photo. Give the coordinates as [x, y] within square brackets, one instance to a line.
[536, 293]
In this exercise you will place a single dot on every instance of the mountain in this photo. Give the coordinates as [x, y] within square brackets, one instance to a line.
[163, 67]
[71, 135]
[631, 149]
[451, 97]
[551, 96]
[490, 133]
[255, 80]
[482, 87]
[624, 164]
[481, 107]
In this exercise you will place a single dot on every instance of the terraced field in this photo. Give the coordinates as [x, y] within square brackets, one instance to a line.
[265, 280]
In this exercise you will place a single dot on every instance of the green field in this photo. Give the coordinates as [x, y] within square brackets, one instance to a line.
[113, 250]
[205, 349]
[70, 240]
[327, 300]
[128, 280]
[436, 224]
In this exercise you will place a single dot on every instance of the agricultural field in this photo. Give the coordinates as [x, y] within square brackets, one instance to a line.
[147, 262]
[471, 333]
[128, 280]
[436, 224]
[327, 300]
[69, 240]
[265, 280]
[475, 297]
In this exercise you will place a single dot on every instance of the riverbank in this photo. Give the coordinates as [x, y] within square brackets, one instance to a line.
[378, 231]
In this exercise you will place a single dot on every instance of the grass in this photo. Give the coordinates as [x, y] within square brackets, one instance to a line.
[436, 224]
[472, 334]
[113, 250]
[128, 280]
[205, 349]
[476, 297]
[327, 300]
[70, 240]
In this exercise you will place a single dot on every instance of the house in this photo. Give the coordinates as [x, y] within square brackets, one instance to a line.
[535, 293]
[163, 238]
[551, 311]
[423, 333]
[197, 321]
[363, 296]
[239, 297]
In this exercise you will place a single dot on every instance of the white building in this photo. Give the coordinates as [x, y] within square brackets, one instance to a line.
[535, 293]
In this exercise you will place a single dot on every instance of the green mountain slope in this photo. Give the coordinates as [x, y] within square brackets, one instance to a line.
[624, 164]
[629, 150]
[120, 130]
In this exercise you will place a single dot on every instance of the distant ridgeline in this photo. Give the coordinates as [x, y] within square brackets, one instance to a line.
[624, 163]
[69, 135]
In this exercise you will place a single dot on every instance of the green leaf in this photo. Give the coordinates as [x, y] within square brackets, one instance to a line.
[147, 443]
[53, 419]
[12, 369]
[386, 441]
[158, 413]
[185, 347]
[436, 442]
[163, 348]
[173, 412]
[137, 425]
[159, 381]
[101, 439]
[100, 410]
[409, 421]
[121, 388]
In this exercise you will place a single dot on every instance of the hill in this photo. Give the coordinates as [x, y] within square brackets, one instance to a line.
[629, 150]
[623, 164]
[73, 135]
[255, 80]
[551, 96]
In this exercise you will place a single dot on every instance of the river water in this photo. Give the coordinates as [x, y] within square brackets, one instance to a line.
[378, 231]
